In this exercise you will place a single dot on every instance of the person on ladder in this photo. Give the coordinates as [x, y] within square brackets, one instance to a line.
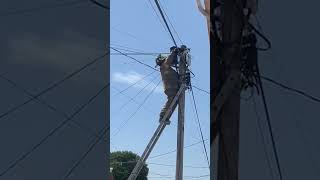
[170, 80]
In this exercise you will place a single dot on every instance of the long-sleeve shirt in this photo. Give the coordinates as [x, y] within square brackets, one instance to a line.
[170, 77]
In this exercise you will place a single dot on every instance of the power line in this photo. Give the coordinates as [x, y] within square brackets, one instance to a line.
[184, 177]
[91, 147]
[262, 136]
[165, 21]
[173, 151]
[135, 83]
[132, 115]
[199, 126]
[54, 109]
[274, 147]
[54, 85]
[161, 164]
[140, 62]
[100, 4]
[52, 132]
[313, 98]
[132, 99]
[201, 90]
[171, 165]
[147, 65]
[171, 23]
[125, 48]
[41, 8]
[139, 54]
[158, 17]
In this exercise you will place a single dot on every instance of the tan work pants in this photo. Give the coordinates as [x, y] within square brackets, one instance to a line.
[171, 93]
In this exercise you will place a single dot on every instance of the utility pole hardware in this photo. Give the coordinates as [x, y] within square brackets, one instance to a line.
[226, 88]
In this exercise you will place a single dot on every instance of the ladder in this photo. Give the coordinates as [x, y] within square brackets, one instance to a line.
[134, 174]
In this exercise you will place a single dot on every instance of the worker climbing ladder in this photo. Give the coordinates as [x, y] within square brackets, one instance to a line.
[184, 62]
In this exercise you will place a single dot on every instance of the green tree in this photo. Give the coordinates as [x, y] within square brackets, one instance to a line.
[122, 164]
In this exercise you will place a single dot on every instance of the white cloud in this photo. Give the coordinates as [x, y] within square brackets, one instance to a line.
[132, 77]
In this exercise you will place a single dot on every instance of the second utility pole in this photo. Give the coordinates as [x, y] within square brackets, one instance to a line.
[228, 122]
[181, 108]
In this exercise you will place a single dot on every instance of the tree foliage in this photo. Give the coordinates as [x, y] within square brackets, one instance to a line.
[122, 164]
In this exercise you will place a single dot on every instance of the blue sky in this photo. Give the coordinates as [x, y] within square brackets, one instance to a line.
[135, 25]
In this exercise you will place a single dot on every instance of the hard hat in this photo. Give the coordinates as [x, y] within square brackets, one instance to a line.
[183, 47]
[172, 48]
[159, 60]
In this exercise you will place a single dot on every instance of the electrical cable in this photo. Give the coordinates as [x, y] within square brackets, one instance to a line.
[262, 136]
[171, 165]
[174, 29]
[52, 132]
[141, 90]
[91, 147]
[201, 90]
[147, 65]
[140, 62]
[159, 18]
[54, 109]
[199, 126]
[173, 151]
[54, 85]
[139, 54]
[100, 4]
[274, 147]
[161, 164]
[313, 98]
[165, 21]
[125, 48]
[132, 115]
[135, 83]
[132, 99]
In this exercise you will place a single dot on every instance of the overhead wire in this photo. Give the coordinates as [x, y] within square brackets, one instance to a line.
[125, 48]
[135, 83]
[173, 151]
[132, 99]
[300, 92]
[268, 118]
[139, 107]
[52, 132]
[100, 4]
[165, 21]
[171, 165]
[51, 87]
[51, 107]
[137, 94]
[201, 89]
[262, 137]
[199, 126]
[161, 164]
[147, 65]
[138, 61]
[86, 153]
[139, 54]
[158, 17]
[174, 29]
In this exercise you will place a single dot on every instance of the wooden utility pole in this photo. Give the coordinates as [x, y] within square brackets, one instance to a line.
[181, 109]
[179, 98]
[226, 114]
